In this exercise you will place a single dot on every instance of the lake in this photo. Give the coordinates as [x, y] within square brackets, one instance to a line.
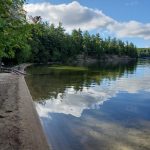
[97, 107]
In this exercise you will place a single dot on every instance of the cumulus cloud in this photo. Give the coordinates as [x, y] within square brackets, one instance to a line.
[74, 16]
[131, 29]
[74, 102]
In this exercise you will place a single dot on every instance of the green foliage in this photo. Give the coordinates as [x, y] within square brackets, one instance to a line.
[50, 43]
[14, 30]
[77, 40]
[144, 52]
[67, 68]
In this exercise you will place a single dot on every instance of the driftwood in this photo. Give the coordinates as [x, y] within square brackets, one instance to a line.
[10, 70]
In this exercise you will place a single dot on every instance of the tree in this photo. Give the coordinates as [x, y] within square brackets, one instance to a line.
[39, 43]
[97, 43]
[77, 40]
[13, 28]
[86, 43]
[50, 43]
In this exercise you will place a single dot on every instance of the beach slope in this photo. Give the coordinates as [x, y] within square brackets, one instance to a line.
[20, 127]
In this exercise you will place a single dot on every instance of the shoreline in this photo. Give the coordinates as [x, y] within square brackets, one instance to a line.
[30, 120]
[104, 59]
[20, 126]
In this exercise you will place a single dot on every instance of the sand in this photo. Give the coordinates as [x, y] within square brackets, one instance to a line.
[20, 127]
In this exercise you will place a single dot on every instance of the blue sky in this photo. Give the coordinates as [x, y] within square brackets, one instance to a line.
[125, 19]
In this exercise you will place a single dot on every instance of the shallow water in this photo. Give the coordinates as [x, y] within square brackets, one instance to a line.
[102, 107]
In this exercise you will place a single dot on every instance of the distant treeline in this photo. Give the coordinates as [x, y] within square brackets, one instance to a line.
[39, 42]
[143, 52]
[50, 43]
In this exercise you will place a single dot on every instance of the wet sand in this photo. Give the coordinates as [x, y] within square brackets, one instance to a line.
[20, 127]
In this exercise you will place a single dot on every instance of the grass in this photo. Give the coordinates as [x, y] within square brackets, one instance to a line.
[69, 68]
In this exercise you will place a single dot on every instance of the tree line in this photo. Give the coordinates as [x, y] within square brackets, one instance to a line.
[39, 42]
[143, 52]
[50, 43]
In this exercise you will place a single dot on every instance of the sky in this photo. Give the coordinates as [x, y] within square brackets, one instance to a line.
[124, 19]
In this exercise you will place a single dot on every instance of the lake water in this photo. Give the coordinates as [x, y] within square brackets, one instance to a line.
[99, 107]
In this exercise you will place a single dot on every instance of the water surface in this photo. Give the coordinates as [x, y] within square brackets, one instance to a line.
[100, 107]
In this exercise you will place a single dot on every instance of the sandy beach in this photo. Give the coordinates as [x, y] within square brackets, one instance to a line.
[20, 127]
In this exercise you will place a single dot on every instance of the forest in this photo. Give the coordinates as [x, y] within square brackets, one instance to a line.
[32, 40]
[143, 52]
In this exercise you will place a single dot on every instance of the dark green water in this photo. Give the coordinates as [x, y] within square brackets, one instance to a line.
[100, 107]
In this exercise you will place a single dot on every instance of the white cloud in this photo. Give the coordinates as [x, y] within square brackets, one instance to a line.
[131, 29]
[73, 102]
[74, 15]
